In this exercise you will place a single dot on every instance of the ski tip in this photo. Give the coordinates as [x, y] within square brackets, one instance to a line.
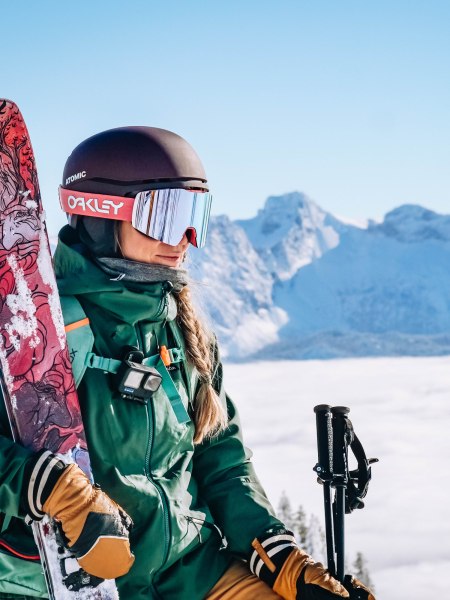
[5, 101]
[7, 106]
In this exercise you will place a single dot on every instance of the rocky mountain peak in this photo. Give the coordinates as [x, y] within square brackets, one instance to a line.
[289, 232]
[413, 223]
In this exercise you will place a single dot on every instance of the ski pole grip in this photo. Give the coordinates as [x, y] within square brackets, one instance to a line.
[340, 441]
[324, 467]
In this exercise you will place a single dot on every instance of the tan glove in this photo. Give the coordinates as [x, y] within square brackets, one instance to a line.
[95, 526]
[299, 576]
[294, 575]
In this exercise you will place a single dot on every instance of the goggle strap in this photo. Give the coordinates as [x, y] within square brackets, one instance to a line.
[104, 206]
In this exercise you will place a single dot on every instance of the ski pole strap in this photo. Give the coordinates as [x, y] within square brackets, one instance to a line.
[111, 365]
[359, 479]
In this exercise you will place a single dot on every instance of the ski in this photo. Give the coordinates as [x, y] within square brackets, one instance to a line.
[35, 368]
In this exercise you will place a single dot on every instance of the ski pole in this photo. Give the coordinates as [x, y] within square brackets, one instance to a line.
[339, 482]
[335, 434]
[324, 469]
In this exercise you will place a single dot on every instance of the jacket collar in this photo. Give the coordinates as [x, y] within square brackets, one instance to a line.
[77, 275]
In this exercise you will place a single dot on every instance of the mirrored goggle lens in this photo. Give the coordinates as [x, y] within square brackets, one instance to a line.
[168, 214]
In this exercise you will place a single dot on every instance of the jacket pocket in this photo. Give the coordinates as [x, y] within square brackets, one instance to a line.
[201, 524]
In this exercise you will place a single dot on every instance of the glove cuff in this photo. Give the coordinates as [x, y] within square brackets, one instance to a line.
[43, 471]
[271, 551]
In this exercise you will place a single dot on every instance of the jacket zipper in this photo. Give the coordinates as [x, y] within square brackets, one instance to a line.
[166, 287]
[161, 308]
[147, 470]
[150, 428]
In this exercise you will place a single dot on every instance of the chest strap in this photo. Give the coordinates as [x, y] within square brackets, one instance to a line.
[191, 371]
[111, 365]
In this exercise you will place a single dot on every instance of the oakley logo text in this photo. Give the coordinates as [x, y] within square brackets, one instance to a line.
[94, 205]
[72, 178]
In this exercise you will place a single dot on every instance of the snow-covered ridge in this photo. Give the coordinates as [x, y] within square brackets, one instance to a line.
[289, 232]
[298, 282]
[412, 223]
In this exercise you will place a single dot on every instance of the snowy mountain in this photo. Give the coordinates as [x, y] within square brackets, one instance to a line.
[238, 294]
[290, 232]
[297, 282]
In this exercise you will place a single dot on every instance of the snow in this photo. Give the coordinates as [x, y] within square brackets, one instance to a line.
[23, 323]
[48, 545]
[31, 204]
[360, 223]
[373, 287]
[290, 232]
[258, 329]
[400, 410]
[343, 290]
[413, 223]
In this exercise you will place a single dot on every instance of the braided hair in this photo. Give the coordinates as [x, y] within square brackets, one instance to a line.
[210, 415]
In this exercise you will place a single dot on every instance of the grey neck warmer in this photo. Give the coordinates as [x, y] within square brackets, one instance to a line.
[121, 269]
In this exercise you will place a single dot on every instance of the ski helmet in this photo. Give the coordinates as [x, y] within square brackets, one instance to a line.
[123, 162]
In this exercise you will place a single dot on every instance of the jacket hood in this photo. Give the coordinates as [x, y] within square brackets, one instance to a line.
[77, 275]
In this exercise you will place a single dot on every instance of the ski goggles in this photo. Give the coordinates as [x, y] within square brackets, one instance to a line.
[165, 215]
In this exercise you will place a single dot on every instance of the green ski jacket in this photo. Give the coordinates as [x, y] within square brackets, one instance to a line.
[193, 507]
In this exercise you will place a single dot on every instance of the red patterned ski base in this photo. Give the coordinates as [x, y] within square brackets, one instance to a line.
[36, 375]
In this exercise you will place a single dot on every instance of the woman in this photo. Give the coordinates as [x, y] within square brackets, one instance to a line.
[168, 451]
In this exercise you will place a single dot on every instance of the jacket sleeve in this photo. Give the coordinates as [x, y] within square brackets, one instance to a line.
[228, 482]
[14, 459]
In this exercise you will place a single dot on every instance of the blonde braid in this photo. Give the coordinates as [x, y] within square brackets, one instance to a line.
[210, 415]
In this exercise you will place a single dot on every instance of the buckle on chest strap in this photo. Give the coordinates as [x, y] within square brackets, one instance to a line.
[146, 373]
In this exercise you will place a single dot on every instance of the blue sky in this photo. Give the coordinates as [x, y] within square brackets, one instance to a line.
[346, 101]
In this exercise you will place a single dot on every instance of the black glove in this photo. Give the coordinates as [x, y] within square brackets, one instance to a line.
[294, 575]
[94, 525]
